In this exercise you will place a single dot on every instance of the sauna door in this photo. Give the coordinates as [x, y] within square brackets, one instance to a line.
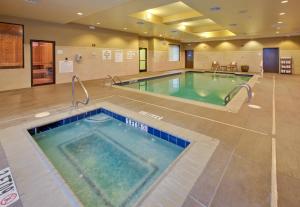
[42, 62]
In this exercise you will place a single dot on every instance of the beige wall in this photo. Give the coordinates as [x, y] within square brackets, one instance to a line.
[158, 54]
[247, 52]
[73, 39]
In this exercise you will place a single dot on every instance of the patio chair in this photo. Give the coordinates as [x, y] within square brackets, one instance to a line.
[215, 66]
[233, 66]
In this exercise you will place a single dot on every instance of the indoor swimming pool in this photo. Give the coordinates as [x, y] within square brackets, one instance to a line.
[207, 87]
[107, 159]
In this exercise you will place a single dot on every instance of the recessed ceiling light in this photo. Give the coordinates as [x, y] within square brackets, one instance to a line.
[282, 13]
[98, 23]
[277, 32]
[79, 13]
[31, 1]
[243, 11]
[145, 32]
[160, 35]
[280, 22]
[125, 28]
[215, 8]
[284, 2]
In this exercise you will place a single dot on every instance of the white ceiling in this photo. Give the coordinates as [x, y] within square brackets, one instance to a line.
[245, 18]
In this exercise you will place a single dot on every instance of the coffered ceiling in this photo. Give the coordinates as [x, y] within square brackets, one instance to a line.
[185, 20]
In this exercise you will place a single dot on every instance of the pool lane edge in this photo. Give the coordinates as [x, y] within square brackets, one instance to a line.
[40, 183]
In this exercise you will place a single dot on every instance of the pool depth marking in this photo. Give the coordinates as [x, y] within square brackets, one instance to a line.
[201, 117]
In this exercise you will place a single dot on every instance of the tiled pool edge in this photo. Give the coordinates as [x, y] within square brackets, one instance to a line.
[131, 122]
[188, 161]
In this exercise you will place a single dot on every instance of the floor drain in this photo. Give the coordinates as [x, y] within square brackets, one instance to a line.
[43, 114]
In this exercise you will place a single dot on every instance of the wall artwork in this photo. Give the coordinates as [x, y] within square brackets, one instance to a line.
[11, 46]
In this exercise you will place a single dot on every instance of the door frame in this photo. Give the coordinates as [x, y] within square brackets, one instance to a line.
[146, 61]
[278, 57]
[185, 56]
[54, 62]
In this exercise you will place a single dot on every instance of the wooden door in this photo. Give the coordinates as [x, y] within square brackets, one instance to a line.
[189, 59]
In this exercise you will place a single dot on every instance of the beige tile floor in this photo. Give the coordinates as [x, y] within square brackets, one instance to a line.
[239, 172]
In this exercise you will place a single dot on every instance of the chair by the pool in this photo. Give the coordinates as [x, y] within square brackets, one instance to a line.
[233, 66]
[215, 66]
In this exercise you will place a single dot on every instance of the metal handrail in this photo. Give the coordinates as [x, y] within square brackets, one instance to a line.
[237, 88]
[112, 79]
[87, 99]
[118, 78]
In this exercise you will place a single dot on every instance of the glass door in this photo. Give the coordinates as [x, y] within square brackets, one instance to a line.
[143, 59]
[42, 62]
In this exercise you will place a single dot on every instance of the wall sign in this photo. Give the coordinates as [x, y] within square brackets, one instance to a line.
[8, 190]
[118, 56]
[106, 54]
[131, 54]
[65, 66]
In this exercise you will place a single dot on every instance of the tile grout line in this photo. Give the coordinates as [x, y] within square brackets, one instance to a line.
[201, 117]
[197, 201]
[274, 191]
[222, 176]
[274, 109]
[54, 109]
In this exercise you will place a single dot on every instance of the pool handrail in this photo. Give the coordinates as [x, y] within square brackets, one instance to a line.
[237, 88]
[86, 100]
[112, 79]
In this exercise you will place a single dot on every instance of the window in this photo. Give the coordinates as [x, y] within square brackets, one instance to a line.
[174, 52]
[11, 45]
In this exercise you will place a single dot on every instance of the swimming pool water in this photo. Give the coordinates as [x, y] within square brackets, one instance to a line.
[106, 162]
[204, 87]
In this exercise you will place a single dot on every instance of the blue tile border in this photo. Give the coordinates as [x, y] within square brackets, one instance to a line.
[128, 121]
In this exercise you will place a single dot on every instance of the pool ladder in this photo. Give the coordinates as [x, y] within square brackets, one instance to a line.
[114, 80]
[87, 98]
[236, 89]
